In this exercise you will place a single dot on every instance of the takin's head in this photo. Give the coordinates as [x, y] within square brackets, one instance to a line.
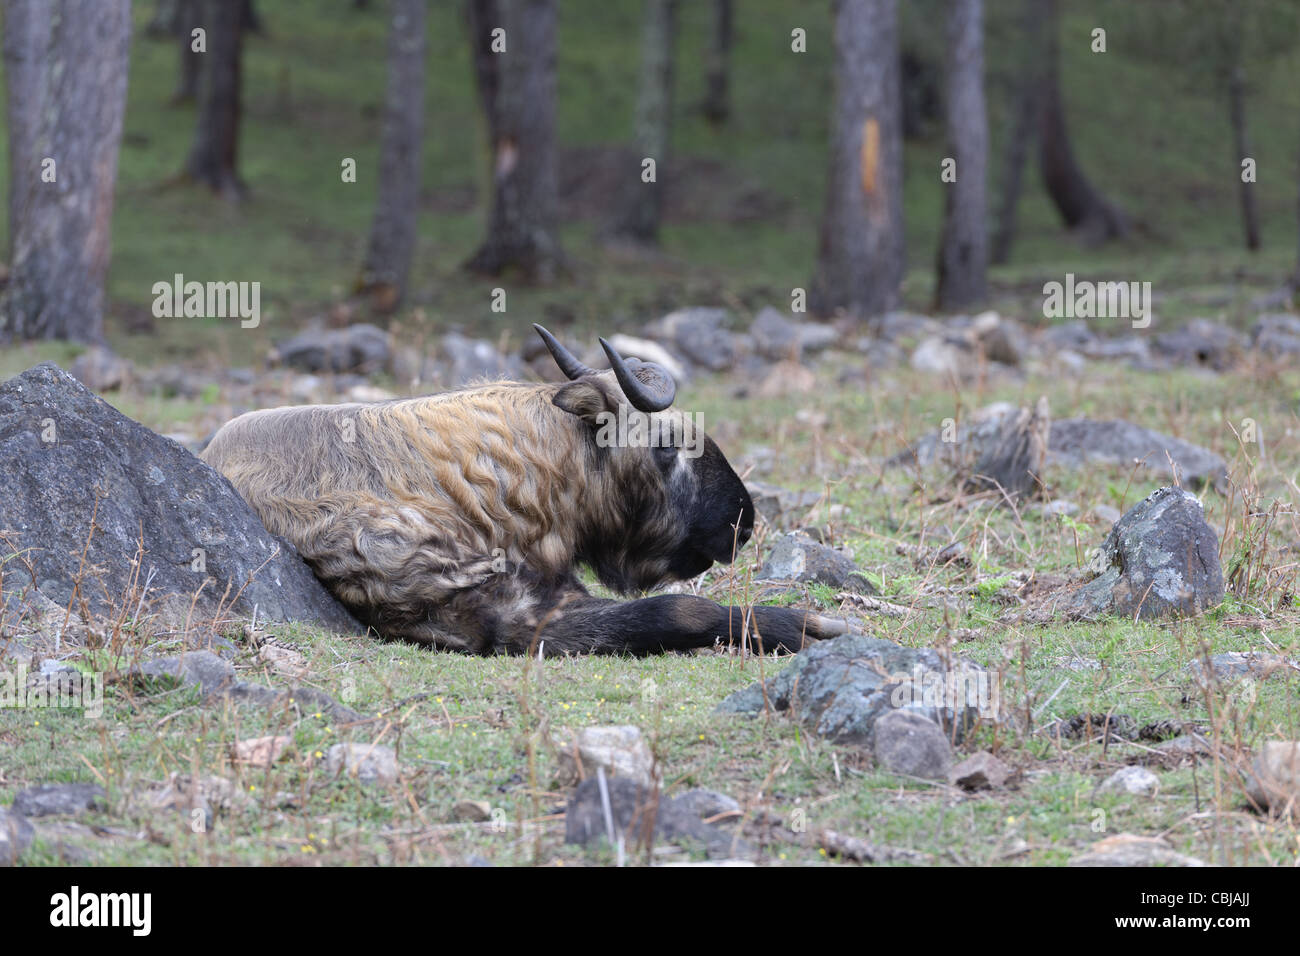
[678, 504]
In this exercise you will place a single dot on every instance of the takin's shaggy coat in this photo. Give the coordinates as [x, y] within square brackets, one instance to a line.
[458, 519]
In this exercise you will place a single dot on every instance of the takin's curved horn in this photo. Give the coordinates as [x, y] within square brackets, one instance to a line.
[652, 396]
[565, 359]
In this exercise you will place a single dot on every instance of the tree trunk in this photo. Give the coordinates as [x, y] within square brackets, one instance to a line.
[392, 233]
[66, 74]
[212, 158]
[163, 23]
[860, 256]
[517, 88]
[717, 101]
[1023, 129]
[1241, 145]
[1082, 208]
[963, 248]
[642, 202]
[189, 15]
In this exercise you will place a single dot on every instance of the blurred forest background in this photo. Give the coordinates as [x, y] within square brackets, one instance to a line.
[230, 163]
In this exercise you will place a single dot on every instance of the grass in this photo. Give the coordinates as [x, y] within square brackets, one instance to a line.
[479, 729]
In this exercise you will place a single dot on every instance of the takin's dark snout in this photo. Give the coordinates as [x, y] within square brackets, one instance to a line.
[459, 519]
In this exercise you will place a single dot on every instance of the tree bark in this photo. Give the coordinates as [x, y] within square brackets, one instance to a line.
[860, 256]
[1082, 208]
[717, 100]
[1241, 145]
[392, 233]
[213, 156]
[1024, 129]
[642, 202]
[66, 76]
[963, 247]
[517, 89]
[188, 16]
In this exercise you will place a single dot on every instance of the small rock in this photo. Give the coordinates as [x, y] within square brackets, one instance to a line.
[1274, 781]
[1060, 507]
[361, 348]
[1138, 780]
[1201, 343]
[700, 335]
[776, 504]
[632, 808]
[1235, 664]
[776, 336]
[471, 811]
[260, 752]
[1276, 335]
[368, 763]
[1160, 560]
[59, 798]
[16, 836]
[100, 369]
[1078, 443]
[945, 356]
[476, 360]
[201, 669]
[1127, 849]
[797, 557]
[911, 745]
[1106, 513]
[980, 771]
[621, 751]
[283, 660]
[707, 803]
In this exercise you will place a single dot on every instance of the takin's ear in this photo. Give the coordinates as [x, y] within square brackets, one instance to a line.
[585, 399]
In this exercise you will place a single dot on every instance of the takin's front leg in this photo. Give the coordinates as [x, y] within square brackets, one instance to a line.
[581, 624]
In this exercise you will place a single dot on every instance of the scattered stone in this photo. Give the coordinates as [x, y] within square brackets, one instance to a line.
[361, 348]
[847, 847]
[81, 457]
[945, 355]
[620, 751]
[1136, 780]
[778, 505]
[1002, 340]
[471, 811]
[1234, 664]
[797, 557]
[59, 798]
[636, 812]
[476, 360]
[1160, 560]
[100, 369]
[16, 836]
[1277, 335]
[776, 336]
[1127, 849]
[368, 763]
[841, 687]
[1106, 513]
[786, 377]
[1201, 344]
[896, 325]
[1079, 442]
[911, 745]
[283, 660]
[1013, 464]
[1179, 750]
[260, 752]
[201, 669]
[1274, 779]
[303, 700]
[700, 335]
[707, 803]
[980, 771]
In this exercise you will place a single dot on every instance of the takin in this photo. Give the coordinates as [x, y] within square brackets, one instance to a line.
[459, 520]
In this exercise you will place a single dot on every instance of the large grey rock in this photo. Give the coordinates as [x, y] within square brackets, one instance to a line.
[49, 799]
[201, 669]
[634, 813]
[841, 687]
[16, 835]
[73, 456]
[1160, 560]
[912, 745]
[1079, 442]
[797, 557]
[360, 348]
[1201, 344]
[700, 334]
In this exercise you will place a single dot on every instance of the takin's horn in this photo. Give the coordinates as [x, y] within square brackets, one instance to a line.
[565, 359]
[646, 396]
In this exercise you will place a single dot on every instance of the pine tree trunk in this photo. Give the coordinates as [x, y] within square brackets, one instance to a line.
[1082, 208]
[188, 16]
[717, 100]
[1241, 144]
[66, 76]
[392, 233]
[213, 156]
[517, 88]
[1024, 129]
[642, 203]
[860, 256]
[963, 248]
